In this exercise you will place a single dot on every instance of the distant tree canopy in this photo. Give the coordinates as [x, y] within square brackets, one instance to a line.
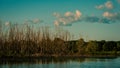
[25, 41]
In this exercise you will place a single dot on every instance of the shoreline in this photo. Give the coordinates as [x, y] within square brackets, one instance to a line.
[63, 56]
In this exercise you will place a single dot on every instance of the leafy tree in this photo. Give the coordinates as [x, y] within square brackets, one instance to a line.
[91, 47]
[118, 46]
[109, 46]
[81, 46]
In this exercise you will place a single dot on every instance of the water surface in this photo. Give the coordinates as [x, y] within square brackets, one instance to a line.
[61, 63]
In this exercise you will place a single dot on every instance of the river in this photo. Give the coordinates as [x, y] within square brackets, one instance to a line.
[61, 63]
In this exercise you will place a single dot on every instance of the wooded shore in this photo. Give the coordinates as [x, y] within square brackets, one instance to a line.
[26, 41]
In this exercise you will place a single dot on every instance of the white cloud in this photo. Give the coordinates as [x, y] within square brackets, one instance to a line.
[68, 18]
[78, 14]
[67, 14]
[108, 14]
[109, 5]
[106, 5]
[112, 16]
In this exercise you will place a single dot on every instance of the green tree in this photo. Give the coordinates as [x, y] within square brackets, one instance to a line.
[118, 46]
[91, 47]
[81, 46]
[109, 46]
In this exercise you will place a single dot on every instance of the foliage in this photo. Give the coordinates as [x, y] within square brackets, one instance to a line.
[29, 41]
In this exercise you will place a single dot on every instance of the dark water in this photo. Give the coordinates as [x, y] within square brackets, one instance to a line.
[61, 63]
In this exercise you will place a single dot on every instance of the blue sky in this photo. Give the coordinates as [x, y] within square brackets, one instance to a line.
[91, 19]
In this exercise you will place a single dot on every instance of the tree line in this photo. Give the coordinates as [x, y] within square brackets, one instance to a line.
[27, 40]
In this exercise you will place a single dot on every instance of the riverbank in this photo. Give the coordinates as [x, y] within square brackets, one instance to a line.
[59, 56]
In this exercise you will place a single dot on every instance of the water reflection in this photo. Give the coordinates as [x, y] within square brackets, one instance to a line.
[63, 62]
[43, 60]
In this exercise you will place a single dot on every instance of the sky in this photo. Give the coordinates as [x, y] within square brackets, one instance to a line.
[90, 19]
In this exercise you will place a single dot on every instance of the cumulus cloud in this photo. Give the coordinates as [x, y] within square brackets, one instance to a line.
[107, 18]
[67, 14]
[107, 5]
[108, 14]
[67, 19]
[78, 15]
[112, 16]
